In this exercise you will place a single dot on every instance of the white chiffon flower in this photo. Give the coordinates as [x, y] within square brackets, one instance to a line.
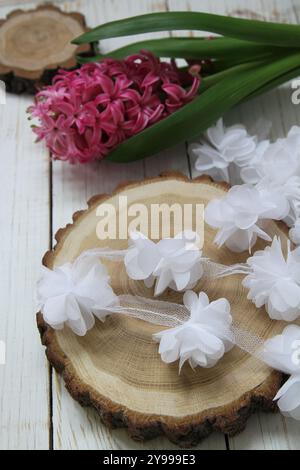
[288, 190]
[73, 293]
[172, 262]
[222, 147]
[279, 169]
[281, 160]
[250, 173]
[294, 232]
[275, 281]
[204, 338]
[141, 258]
[283, 353]
[241, 214]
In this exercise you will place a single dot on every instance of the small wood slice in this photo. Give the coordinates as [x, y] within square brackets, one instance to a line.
[116, 367]
[35, 43]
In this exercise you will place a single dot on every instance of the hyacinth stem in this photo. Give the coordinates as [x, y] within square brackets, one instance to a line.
[282, 35]
[195, 117]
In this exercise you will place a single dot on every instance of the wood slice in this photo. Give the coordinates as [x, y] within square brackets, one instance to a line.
[35, 43]
[116, 367]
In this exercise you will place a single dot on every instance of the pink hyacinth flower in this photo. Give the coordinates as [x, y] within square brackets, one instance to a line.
[87, 112]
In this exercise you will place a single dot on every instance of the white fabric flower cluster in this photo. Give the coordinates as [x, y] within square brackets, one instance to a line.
[275, 281]
[233, 155]
[204, 338]
[283, 353]
[223, 152]
[279, 162]
[74, 293]
[241, 214]
[279, 169]
[172, 262]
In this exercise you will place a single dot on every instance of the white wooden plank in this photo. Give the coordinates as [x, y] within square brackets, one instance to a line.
[11, 3]
[24, 196]
[173, 159]
[24, 3]
[263, 431]
[75, 428]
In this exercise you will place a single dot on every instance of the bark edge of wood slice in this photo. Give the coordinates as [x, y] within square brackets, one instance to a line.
[186, 407]
[35, 43]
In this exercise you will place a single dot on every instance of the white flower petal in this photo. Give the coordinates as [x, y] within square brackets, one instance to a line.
[241, 214]
[282, 352]
[72, 293]
[190, 300]
[289, 397]
[245, 220]
[203, 339]
[274, 281]
[172, 262]
[182, 280]
[224, 146]
[294, 233]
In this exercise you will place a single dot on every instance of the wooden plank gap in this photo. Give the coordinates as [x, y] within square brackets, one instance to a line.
[51, 244]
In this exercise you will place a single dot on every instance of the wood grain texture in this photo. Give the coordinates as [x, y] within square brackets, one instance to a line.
[33, 42]
[115, 367]
[24, 196]
[26, 424]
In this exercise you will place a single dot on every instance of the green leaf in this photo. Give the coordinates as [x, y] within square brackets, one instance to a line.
[194, 48]
[276, 82]
[225, 64]
[203, 111]
[251, 30]
[229, 72]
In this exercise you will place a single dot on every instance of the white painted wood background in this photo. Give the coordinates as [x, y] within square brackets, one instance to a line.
[37, 197]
